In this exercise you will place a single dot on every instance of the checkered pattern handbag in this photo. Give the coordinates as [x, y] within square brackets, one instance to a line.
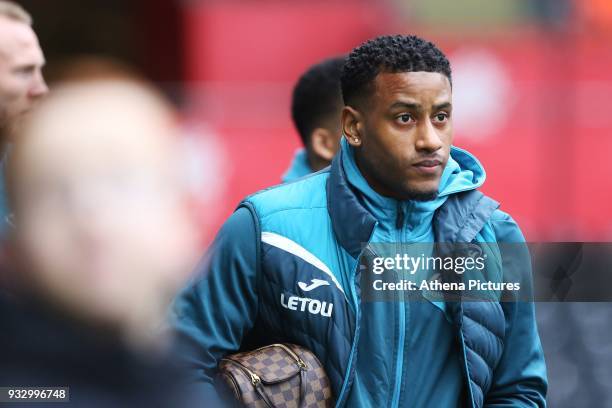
[277, 376]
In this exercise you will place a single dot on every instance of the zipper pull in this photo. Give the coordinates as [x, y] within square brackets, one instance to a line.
[301, 364]
[255, 379]
[399, 221]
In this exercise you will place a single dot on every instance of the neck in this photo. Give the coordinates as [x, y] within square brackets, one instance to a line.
[315, 162]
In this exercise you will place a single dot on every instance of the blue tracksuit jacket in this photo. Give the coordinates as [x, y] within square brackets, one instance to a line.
[258, 287]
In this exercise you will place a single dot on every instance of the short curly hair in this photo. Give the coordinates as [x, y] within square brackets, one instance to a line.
[316, 96]
[389, 53]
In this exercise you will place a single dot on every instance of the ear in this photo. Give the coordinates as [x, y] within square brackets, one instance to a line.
[352, 126]
[324, 144]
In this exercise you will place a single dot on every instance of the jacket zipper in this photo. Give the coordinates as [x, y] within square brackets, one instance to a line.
[357, 305]
[400, 221]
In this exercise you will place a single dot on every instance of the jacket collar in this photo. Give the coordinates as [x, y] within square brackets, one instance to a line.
[352, 223]
[299, 166]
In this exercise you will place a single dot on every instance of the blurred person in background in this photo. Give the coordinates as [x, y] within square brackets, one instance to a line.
[101, 238]
[21, 86]
[285, 266]
[316, 105]
[21, 80]
[21, 62]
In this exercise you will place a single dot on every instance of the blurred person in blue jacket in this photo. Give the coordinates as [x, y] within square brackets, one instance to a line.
[21, 80]
[101, 238]
[316, 105]
[285, 267]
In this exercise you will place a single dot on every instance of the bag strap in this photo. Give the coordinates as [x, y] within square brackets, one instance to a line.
[262, 393]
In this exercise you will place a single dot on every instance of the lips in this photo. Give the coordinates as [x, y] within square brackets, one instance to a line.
[428, 163]
[428, 167]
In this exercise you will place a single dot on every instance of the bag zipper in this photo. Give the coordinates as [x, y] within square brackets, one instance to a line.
[256, 379]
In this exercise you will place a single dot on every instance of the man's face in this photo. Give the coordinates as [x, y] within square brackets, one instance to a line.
[406, 132]
[21, 62]
[100, 218]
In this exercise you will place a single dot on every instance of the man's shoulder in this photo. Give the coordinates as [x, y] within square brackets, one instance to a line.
[506, 229]
[497, 224]
[303, 194]
[501, 216]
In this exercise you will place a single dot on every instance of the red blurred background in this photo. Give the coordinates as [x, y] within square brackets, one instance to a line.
[532, 88]
[532, 100]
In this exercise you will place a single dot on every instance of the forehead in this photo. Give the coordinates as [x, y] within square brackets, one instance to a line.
[424, 87]
[16, 38]
[112, 132]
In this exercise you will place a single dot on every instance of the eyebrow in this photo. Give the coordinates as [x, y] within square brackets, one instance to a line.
[407, 105]
[418, 107]
[443, 105]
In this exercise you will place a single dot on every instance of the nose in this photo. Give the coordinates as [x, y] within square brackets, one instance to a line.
[428, 138]
[39, 87]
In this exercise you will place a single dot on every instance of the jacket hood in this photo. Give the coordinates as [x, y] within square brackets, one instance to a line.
[463, 172]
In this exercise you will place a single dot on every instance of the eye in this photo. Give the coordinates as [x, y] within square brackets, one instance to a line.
[441, 117]
[405, 118]
[25, 71]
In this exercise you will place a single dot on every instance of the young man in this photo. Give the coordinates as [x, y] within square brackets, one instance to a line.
[315, 109]
[285, 267]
